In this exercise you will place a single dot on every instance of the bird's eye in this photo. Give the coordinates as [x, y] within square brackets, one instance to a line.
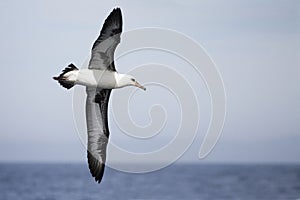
[133, 79]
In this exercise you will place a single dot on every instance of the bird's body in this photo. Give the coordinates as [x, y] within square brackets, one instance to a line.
[100, 78]
[94, 78]
[104, 79]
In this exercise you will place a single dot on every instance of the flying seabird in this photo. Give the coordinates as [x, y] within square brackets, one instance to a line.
[100, 78]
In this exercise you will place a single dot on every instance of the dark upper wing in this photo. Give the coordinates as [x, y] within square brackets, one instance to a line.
[105, 45]
[97, 128]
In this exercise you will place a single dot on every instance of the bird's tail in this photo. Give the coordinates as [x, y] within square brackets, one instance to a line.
[63, 81]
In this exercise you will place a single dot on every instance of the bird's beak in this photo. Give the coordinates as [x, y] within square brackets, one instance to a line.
[139, 86]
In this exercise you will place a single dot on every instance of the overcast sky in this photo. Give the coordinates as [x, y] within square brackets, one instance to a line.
[255, 45]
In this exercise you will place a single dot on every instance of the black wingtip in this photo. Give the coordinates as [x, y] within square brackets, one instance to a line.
[96, 167]
[115, 15]
[116, 12]
[117, 9]
[112, 26]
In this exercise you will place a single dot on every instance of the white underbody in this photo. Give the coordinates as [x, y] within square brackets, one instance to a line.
[94, 78]
[97, 78]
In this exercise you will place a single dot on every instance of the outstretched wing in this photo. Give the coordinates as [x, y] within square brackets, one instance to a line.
[104, 47]
[102, 58]
[97, 128]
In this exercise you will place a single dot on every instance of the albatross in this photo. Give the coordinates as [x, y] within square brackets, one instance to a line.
[99, 79]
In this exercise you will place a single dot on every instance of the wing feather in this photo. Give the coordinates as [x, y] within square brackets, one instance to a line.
[107, 42]
[102, 58]
[97, 128]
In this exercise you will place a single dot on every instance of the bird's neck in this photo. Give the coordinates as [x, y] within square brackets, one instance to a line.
[120, 80]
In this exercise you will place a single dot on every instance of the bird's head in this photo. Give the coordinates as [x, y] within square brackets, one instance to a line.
[127, 80]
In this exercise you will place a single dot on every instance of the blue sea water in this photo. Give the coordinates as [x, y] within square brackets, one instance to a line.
[179, 181]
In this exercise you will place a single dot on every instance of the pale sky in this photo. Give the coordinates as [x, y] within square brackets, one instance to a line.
[255, 45]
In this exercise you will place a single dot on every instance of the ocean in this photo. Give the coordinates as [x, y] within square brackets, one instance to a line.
[178, 181]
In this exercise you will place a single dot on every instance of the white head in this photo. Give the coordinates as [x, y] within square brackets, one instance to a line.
[123, 80]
